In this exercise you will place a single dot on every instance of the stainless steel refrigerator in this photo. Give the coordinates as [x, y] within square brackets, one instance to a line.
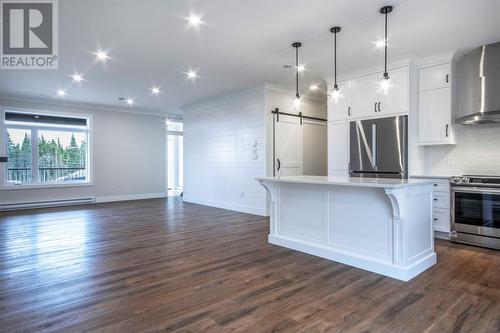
[379, 148]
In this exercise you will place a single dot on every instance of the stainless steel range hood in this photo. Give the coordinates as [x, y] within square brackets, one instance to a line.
[484, 64]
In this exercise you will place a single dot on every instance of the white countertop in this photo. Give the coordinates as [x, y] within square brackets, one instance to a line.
[349, 181]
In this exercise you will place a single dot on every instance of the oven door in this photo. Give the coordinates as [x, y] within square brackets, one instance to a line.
[476, 210]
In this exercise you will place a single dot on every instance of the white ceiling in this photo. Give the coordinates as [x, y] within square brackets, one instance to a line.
[242, 44]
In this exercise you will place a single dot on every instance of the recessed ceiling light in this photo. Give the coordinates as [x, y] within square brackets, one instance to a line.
[61, 92]
[194, 20]
[130, 101]
[155, 91]
[192, 75]
[314, 87]
[77, 77]
[301, 68]
[101, 55]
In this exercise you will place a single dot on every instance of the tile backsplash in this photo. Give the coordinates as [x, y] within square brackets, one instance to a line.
[477, 152]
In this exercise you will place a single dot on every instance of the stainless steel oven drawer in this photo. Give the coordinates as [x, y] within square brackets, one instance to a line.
[489, 242]
[477, 230]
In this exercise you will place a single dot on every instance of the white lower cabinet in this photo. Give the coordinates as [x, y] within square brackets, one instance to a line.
[441, 211]
[441, 220]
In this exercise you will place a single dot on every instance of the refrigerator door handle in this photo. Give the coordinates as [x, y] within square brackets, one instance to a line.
[374, 146]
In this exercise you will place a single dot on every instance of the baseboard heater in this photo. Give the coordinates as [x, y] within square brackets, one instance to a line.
[46, 204]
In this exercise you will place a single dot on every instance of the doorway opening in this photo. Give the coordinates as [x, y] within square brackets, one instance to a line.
[175, 157]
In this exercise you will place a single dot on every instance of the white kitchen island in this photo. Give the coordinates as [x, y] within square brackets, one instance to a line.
[380, 225]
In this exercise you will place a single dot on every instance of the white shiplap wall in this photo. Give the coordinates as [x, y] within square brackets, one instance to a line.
[219, 164]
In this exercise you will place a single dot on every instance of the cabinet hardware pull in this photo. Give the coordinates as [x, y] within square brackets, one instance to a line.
[447, 78]
[435, 219]
[435, 184]
[279, 164]
[349, 111]
[375, 107]
[379, 107]
[435, 199]
[447, 126]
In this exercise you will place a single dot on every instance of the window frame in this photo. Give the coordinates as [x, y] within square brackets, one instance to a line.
[35, 183]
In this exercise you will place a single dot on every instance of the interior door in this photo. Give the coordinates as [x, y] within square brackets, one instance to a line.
[288, 146]
[315, 148]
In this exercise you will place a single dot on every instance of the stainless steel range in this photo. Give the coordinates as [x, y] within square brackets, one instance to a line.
[475, 210]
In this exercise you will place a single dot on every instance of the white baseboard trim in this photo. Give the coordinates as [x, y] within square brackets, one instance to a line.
[387, 269]
[228, 206]
[130, 197]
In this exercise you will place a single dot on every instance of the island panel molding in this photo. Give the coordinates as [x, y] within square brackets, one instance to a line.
[380, 225]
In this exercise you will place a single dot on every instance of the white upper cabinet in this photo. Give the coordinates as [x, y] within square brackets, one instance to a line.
[434, 119]
[395, 100]
[435, 77]
[340, 108]
[435, 106]
[363, 97]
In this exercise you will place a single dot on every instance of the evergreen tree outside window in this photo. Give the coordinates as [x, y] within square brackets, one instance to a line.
[46, 149]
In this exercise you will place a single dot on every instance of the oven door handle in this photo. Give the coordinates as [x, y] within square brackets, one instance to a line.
[475, 190]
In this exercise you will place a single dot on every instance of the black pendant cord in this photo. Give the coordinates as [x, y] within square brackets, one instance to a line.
[297, 72]
[335, 58]
[335, 30]
[296, 46]
[385, 10]
[385, 49]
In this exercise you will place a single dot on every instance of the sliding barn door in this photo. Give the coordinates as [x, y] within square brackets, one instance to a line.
[288, 146]
[315, 152]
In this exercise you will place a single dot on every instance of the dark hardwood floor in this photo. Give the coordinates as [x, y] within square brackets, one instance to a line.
[158, 265]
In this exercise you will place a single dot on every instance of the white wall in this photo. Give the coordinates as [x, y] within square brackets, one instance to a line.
[219, 169]
[128, 156]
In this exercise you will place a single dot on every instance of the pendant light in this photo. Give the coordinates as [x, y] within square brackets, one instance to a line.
[296, 45]
[336, 90]
[385, 83]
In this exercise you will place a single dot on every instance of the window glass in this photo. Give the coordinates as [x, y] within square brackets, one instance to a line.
[175, 126]
[62, 156]
[19, 154]
[46, 149]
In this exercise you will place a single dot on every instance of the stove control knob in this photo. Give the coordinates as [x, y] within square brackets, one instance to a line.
[455, 180]
[465, 180]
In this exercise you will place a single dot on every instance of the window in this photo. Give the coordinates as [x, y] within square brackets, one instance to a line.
[46, 149]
